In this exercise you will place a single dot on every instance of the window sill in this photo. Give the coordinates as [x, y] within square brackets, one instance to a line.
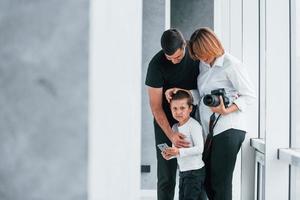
[292, 156]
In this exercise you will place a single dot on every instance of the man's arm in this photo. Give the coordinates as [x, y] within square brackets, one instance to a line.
[155, 97]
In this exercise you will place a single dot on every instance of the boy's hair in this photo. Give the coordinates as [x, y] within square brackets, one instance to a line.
[171, 40]
[181, 94]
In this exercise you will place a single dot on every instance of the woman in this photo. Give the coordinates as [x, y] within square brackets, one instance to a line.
[223, 125]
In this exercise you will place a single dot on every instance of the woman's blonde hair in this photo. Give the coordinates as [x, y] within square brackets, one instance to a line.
[204, 44]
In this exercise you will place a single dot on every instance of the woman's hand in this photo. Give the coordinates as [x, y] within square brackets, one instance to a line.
[220, 109]
[170, 92]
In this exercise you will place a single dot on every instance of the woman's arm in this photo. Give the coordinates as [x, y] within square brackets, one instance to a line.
[238, 76]
[240, 80]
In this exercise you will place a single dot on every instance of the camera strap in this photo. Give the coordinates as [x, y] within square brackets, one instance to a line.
[212, 122]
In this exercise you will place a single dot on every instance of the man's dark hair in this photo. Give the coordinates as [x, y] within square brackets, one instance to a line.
[181, 94]
[171, 40]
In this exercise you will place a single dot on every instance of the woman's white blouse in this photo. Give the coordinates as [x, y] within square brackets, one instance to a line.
[228, 73]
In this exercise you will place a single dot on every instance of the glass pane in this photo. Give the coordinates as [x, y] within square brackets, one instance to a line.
[261, 182]
[295, 183]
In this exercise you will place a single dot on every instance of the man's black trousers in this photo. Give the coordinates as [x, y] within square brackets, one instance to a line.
[166, 169]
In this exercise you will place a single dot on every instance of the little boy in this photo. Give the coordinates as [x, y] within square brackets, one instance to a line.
[191, 166]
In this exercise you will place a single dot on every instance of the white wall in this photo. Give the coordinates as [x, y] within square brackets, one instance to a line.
[115, 99]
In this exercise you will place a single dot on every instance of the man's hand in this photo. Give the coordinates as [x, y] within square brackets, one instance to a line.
[178, 140]
[170, 92]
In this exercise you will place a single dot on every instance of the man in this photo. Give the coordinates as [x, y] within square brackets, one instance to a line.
[171, 67]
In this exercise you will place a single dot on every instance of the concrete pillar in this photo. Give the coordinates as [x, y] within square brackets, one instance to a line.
[43, 118]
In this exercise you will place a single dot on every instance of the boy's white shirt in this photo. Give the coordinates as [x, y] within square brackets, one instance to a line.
[190, 158]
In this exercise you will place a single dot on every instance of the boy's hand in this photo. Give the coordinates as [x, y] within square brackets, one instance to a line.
[165, 155]
[172, 151]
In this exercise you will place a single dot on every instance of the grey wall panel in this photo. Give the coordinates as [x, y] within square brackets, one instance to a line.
[43, 99]
[191, 14]
[153, 27]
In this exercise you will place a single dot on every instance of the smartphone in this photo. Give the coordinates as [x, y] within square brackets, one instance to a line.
[162, 147]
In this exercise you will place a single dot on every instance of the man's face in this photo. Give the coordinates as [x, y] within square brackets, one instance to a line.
[180, 110]
[177, 56]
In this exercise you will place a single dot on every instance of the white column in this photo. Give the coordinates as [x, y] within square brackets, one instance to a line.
[251, 59]
[115, 99]
[277, 104]
[235, 31]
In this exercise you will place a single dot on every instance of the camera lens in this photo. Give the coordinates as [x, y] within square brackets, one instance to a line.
[211, 100]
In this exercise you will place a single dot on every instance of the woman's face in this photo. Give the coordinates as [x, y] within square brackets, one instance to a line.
[206, 59]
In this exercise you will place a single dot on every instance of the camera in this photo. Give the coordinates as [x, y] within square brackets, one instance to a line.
[213, 100]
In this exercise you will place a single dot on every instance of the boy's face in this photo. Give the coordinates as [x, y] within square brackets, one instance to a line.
[180, 110]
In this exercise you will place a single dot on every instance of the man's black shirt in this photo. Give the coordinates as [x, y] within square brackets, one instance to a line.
[162, 73]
